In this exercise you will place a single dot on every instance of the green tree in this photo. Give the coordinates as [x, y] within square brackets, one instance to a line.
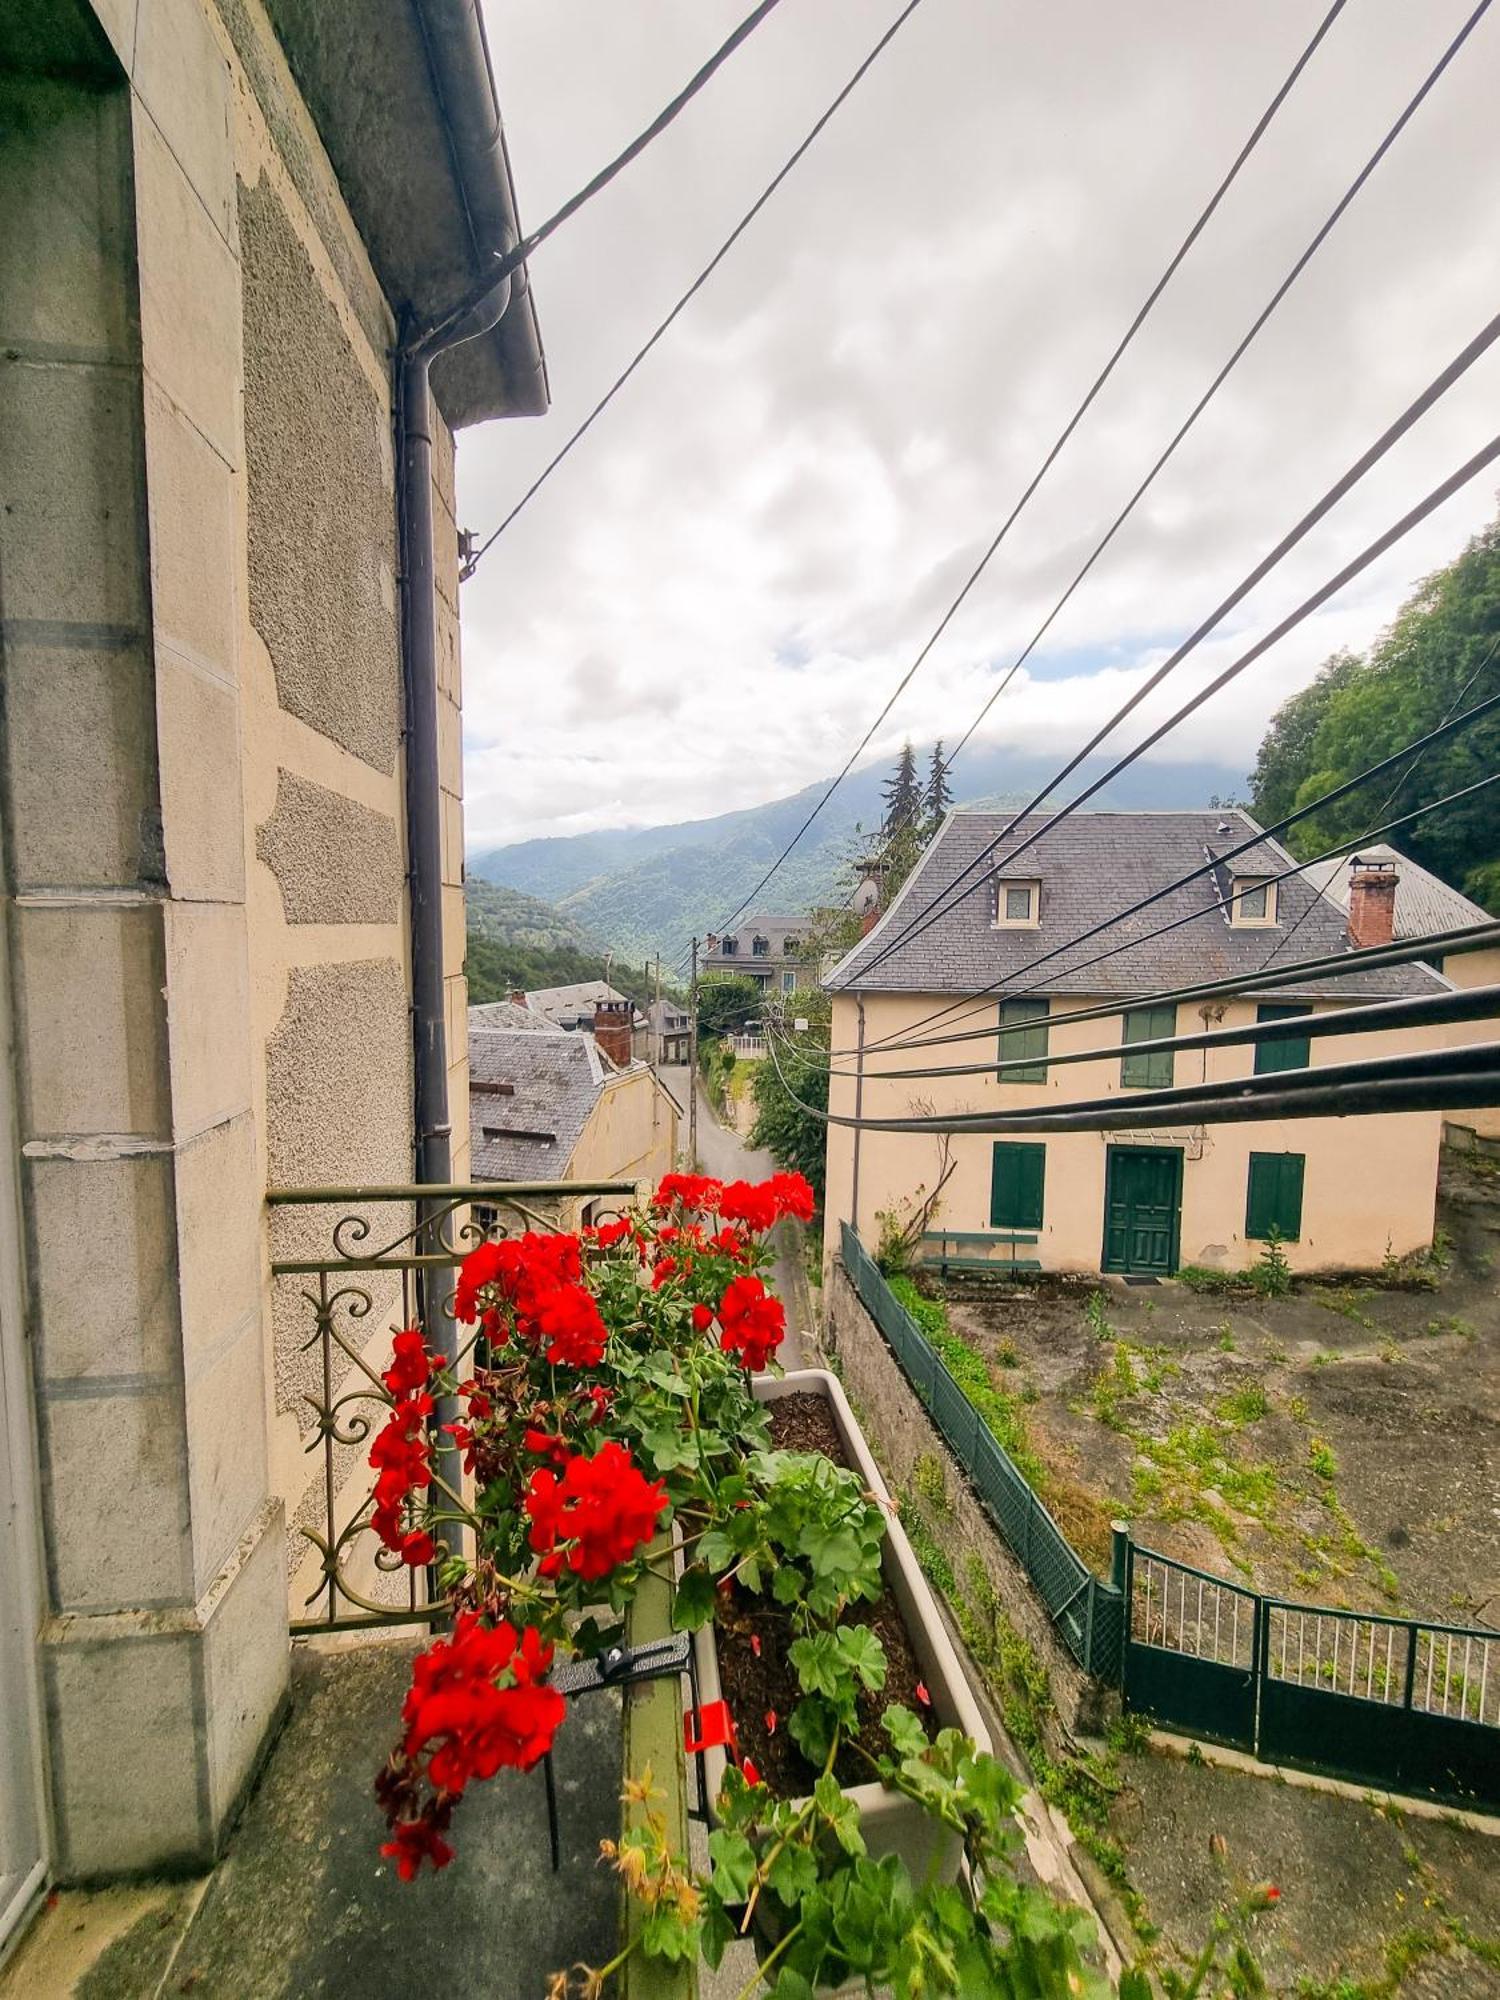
[903, 794]
[725, 1004]
[939, 792]
[796, 1139]
[1440, 656]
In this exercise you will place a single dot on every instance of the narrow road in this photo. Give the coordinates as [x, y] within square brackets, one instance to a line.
[724, 1154]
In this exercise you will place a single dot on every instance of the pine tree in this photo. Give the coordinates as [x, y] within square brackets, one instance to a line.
[939, 791]
[903, 794]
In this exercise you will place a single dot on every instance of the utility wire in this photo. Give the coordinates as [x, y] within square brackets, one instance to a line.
[1250, 978]
[956, 892]
[1402, 780]
[1232, 853]
[1355, 472]
[1063, 436]
[693, 289]
[512, 259]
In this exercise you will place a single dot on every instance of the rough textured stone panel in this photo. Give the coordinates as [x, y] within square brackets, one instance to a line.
[338, 1112]
[321, 506]
[336, 861]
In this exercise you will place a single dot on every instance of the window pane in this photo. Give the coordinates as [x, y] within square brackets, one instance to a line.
[1252, 902]
[1018, 904]
[1153, 1072]
[1017, 1040]
[1016, 1186]
[1273, 1196]
[788, 982]
[1294, 1053]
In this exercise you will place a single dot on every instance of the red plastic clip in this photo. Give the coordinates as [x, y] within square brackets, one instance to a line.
[716, 1727]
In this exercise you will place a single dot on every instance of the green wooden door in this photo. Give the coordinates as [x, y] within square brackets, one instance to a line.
[1142, 1209]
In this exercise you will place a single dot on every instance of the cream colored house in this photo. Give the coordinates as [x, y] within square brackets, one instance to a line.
[548, 1103]
[1340, 1193]
[232, 829]
[1424, 904]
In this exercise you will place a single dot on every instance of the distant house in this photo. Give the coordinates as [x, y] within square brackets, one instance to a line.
[577, 1007]
[549, 1104]
[671, 1031]
[767, 950]
[1421, 904]
[1337, 1192]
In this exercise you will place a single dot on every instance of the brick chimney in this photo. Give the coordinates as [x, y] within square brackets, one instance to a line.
[517, 997]
[869, 920]
[1372, 902]
[612, 1019]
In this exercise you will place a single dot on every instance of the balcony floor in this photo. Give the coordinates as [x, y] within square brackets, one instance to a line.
[304, 1905]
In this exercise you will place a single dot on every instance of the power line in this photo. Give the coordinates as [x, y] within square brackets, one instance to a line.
[1007, 982]
[1403, 779]
[515, 257]
[693, 289]
[938, 907]
[1355, 472]
[1213, 388]
[1063, 436]
[1256, 979]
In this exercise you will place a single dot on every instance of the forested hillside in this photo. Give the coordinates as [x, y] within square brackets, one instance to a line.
[1440, 657]
[518, 942]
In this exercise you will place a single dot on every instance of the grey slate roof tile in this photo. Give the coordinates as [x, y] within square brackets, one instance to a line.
[1424, 901]
[529, 1133]
[1089, 867]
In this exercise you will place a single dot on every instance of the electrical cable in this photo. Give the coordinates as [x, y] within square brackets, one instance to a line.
[1370, 553]
[1068, 429]
[437, 330]
[1402, 780]
[693, 289]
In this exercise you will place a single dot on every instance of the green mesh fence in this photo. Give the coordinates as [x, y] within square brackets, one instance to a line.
[1088, 1612]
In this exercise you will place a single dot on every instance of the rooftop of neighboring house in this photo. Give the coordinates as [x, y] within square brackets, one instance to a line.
[573, 1006]
[1424, 901]
[1080, 873]
[781, 935]
[507, 1014]
[531, 1089]
[668, 1015]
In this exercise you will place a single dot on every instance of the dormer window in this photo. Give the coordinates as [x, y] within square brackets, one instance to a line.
[1253, 902]
[1018, 905]
[729, 947]
[760, 947]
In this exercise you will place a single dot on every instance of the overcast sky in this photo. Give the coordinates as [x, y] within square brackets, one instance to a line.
[709, 602]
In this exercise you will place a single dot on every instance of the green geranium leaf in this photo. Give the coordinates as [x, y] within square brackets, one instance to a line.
[693, 1605]
[734, 1864]
[863, 1654]
[811, 1726]
[786, 1585]
[908, 1737]
[831, 1551]
[793, 1873]
[818, 1664]
[716, 1552]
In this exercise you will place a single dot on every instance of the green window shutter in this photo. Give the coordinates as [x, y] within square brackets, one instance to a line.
[1294, 1053]
[1273, 1197]
[1149, 1024]
[1016, 1183]
[1023, 1032]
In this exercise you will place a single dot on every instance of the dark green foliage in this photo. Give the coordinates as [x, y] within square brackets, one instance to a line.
[518, 943]
[795, 1139]
[725, 1005]
[1416, 675]
[903, 794]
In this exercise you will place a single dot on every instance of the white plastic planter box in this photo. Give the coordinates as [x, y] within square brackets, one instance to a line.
[892, 1823]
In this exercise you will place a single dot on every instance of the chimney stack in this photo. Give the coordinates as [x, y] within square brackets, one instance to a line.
[517, 998]
[1372, 902]
[869, 920]
[612, 1021]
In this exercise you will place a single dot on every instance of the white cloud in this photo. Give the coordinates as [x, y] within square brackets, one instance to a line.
[709, 602]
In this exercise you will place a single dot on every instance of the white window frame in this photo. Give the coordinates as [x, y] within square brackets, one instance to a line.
[1033, 917]
[1239, 917]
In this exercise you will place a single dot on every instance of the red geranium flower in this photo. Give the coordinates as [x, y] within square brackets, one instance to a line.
[569, 1321]
[703, 1318]
[753, 1323]
[692, 1192]
[754, 1206]
[603, 1506]
[478, 1701]
[411, 1364]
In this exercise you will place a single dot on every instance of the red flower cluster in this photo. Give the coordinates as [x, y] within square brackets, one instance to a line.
[539, 1277]
[603, 1506]
[411, 1365]
[753, 1323]
[694, 1193]
[759, 1205]
[477, 1701]
[402, 1458]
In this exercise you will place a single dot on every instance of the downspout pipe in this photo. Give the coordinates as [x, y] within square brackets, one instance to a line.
[459, 61]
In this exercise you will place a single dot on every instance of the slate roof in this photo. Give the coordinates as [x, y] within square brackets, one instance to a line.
[559, 1004]
[555, 1077]
[1089, 866]
[775, 930]
[506, 1014]
[1424, 901]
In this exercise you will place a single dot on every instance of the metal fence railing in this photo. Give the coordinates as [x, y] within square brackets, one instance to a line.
[1087, 1610]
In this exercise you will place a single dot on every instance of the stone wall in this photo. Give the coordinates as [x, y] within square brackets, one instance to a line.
[901, 1434]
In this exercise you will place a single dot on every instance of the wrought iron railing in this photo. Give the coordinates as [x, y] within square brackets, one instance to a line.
[349, 1266]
